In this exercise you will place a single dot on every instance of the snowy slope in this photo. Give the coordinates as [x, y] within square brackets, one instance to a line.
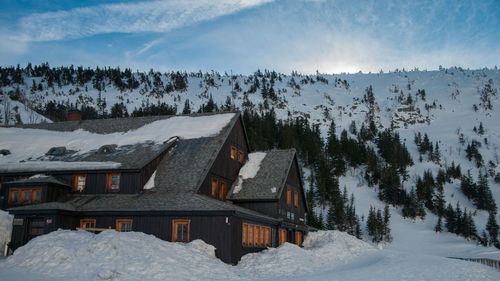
[5, 229]
[452, 107]
[332, 255]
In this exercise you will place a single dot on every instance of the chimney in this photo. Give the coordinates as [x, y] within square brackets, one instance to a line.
[74, 115]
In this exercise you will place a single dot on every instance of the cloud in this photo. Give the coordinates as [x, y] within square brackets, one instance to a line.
[153, 16]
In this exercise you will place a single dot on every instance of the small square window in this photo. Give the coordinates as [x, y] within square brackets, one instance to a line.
[79, 182]
[113, 182]
[180, 230]
[124, 225]
[87, 224]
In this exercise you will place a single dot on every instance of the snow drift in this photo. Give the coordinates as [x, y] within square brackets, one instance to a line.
[327, 255]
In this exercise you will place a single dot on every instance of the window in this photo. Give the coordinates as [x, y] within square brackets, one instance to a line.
[180, 230]
[245, 234]
[222, 191]
[215, 187]
[25, 195]
[237, 154]
[113, 182]
[218, 189]
[87, 224]
[124, 225]
[79, 182]
[296, 199]
[37, 195]
[289, 197]
[241, 156]
[282, 236]
[234, 152]
[298, 238]
[256, 235]
[14, 196]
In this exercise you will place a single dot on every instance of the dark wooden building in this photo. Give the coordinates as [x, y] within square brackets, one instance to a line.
[179, 189]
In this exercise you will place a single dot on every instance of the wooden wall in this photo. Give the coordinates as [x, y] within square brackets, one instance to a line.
[224, 167]
[293, 183]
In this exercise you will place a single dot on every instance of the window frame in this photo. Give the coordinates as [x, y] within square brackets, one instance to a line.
[109, 180]
[214, 183]
[119, 223]
[75, 182]
[282, 233]
[22, 192]
[241, 156]
[298, 238]
[175, 224]
[255, 235]
[222, 190]
[83, 222]
[234, 153]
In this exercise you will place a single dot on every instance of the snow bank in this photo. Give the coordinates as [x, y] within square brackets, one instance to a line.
[5, 229]
[322, 249]
[250, 169]
[151, 182]
[81, 255]
[327, 255]
[185, 127]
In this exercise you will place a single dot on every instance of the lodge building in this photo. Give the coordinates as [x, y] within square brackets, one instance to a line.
[176, 187]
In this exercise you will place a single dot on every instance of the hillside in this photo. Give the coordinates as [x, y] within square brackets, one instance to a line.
[456, 109]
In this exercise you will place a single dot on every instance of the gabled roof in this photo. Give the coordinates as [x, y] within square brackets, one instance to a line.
[133, 142]
[269, 181]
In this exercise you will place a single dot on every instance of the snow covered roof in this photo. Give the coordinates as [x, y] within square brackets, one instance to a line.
[264, 178]
[136, 141]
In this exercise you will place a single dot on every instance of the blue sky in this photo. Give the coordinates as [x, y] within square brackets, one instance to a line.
[245, 35]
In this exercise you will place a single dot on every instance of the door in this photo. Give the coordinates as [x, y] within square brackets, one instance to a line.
[36, 227]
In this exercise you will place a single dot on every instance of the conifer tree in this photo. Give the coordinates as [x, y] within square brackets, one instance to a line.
[492, 228]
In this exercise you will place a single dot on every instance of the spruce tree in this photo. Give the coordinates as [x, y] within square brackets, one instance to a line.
[492, 228]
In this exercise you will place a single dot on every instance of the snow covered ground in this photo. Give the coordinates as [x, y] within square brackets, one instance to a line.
[5, 229]
[327, 255]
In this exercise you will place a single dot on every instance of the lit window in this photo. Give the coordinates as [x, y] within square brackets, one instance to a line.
[234, 152]
[124, 225]
[180, 230]
[113, 182]
[79, 182]
[296, 199]
[14, 196]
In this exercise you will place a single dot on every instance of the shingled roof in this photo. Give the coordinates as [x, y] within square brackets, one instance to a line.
[269, 180]
[178, 178]
[126, 156]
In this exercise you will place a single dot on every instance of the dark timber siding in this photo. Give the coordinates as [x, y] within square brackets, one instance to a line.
[224, 167]
[268, 208]
[293, 183]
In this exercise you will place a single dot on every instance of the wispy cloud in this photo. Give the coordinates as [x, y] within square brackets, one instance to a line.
[152, 16]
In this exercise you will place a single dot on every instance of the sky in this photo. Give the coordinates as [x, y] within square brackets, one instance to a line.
[241, 36]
